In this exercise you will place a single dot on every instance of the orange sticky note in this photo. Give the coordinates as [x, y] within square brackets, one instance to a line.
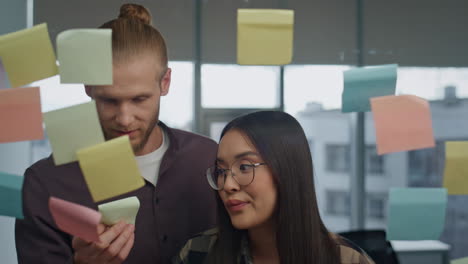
[20, 114]
[75, 219]
[402, 123]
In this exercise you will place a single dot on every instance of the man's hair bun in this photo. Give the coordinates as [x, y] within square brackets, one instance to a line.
[135, 11]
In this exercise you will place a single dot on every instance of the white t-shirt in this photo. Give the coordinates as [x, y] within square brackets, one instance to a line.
[150, 163]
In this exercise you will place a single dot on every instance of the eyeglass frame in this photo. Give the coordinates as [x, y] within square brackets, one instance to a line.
[254, 166]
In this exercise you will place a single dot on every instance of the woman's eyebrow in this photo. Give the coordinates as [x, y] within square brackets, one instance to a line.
[238, 156]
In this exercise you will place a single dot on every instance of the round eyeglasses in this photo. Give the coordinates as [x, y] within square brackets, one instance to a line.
[243, 172]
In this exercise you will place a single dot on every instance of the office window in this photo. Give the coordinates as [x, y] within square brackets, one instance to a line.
[338, 203]
[376, 206]
[338, 159]
[236, 86]
[177, 107]
[425, 166]
[374, 162]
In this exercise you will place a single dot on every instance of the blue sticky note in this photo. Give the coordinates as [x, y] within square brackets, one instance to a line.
[361, 84]
[10, 195]
[416, 213]
[4, 81]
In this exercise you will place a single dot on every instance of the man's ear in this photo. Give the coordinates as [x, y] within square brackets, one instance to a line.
[166, 82]
[88, 90]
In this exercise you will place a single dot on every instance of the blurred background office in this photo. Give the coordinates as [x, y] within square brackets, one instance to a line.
[427, 38]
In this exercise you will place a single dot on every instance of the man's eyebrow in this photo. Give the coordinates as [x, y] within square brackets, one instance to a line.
[238, 156]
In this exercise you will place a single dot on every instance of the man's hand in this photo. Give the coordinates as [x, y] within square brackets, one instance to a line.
[116, 243]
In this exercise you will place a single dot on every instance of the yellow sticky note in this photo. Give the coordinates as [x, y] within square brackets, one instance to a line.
[124, 209]
[28, 55]
[110, 168]
[72, 128]
[456, 167]
[85, 56]
[264, 36]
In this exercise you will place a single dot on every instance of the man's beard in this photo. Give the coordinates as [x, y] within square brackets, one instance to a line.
[146, 134]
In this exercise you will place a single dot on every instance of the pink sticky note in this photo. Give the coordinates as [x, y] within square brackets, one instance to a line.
[75, 219]
[20, 114]
[402, 123]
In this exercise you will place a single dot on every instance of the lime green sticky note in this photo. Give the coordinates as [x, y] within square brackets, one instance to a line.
[362, 84]
[72, 128]
[264, 36]
[110, 168]
[456, 167]
[28, 55]
[85, 56]
[124, 209]
[416, 213]
[459, 261]
[11, 195]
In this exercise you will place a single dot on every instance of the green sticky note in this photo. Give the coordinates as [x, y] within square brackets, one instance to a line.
[10, 195]
[416, 213]
[459, 261]
[85, 56]
[361, 84]
[28, 55]
[72, 128]
[124, 209]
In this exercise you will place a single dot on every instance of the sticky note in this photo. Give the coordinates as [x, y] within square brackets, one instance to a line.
[459, 261]
[4, 81]
[361, 84]
[124, 209]
[456, 167]
[11, 195]
[416, 213]
[264, 36]
[110, 168]
[85, 56]
[28, 55]
[20, 115]
[75, 219]
[72, 128]
[402, 123]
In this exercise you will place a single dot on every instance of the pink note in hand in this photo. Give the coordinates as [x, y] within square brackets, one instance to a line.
[75, 219]
[402, 123]
[20, 114]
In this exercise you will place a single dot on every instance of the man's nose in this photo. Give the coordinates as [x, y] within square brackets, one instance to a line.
[125, 115]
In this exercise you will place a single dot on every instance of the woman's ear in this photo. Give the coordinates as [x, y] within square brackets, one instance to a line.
[166, 82]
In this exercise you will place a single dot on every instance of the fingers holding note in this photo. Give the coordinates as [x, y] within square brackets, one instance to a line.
[115, 244]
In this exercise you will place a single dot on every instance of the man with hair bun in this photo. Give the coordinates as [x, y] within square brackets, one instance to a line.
[176, 203]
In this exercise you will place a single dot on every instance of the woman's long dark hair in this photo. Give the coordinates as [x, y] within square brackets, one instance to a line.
[301, 236]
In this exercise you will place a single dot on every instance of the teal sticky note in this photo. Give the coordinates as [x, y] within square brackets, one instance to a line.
[4, 81]
[85, 56]
[361, 84]
[10, 195]
[416, 213]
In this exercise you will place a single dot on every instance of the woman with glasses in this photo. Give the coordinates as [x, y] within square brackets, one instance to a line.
[267, 208]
